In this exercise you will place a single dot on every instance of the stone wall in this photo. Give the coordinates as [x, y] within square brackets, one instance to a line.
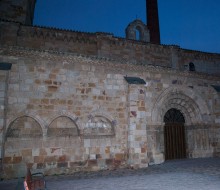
[67, 113]
[63, 116]
[204, 62]
[106, 46]
[3, 102]
[65, 105]
[21, 11]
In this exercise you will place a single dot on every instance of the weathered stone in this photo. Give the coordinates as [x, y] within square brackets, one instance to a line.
[92, 163]
[119, 156]
[7, 160]
[59, 110]
[17, 159]
[51, 159]
[62, 158]
[62, 164]
[52, 88]
[26, 152]
[41, 165]
[38, 159]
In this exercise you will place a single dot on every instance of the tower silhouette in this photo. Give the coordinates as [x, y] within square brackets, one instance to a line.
[153, 21]
[21, 11]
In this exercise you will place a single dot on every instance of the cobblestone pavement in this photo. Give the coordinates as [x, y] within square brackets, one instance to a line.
[195, 174]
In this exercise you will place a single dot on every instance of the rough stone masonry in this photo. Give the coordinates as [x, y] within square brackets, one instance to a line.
[66, 105]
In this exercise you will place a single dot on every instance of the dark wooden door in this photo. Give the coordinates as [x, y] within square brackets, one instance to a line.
[174, 135]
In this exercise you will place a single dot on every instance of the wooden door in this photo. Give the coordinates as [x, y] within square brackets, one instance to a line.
[174, 135]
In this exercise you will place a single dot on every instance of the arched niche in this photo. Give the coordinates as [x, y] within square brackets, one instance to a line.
[62, 126]
[24, 127]
[192, 67]
[137, 26]
[98, 126]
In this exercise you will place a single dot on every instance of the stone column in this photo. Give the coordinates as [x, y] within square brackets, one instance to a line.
[155, 142]
[137, 137]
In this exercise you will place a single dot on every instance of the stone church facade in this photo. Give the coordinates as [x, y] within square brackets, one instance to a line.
[75, 101]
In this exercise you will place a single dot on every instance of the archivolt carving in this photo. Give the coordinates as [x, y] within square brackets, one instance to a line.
[190, 104]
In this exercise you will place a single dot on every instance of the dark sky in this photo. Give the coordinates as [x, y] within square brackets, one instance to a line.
[191, 24]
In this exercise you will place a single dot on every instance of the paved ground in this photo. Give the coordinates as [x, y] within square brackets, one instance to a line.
[195, 174]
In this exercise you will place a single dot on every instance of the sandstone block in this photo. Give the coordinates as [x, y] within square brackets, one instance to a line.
[62, 164]
[51, 159]
[119, 156]
[7, 160]
[17, 159]
[92, 163]
[38, 159]
[26, 152]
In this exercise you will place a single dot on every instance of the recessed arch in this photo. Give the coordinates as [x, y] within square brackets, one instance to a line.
[192, 66]
[99, 124]
[63, 126]
[184, 99]
[28, 113]
[63, 113]
[24, 126]
[174, 116]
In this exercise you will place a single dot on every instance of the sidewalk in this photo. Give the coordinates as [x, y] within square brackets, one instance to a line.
[195, 174]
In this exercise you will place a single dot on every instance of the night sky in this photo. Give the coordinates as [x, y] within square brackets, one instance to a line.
[191, 24]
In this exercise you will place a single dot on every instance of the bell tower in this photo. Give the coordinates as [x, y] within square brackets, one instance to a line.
[21, 11]
[153, 21]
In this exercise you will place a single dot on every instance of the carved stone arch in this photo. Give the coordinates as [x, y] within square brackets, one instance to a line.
[184, 99]
[63, 124]
[99, 124]
[25, 126]
[64, 113]
[187, 112]
[102, 114]
[141, 27]
[33, 114]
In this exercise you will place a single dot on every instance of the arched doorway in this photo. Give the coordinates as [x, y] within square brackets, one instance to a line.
[174, 135]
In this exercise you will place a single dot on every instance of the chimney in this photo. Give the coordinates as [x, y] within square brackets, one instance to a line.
[153, 21]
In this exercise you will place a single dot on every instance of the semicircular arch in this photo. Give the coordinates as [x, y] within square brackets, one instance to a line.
[63, 126]
[25, 126]
[64, 113]
[141, 27]
[99, 124]
[184, 99]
